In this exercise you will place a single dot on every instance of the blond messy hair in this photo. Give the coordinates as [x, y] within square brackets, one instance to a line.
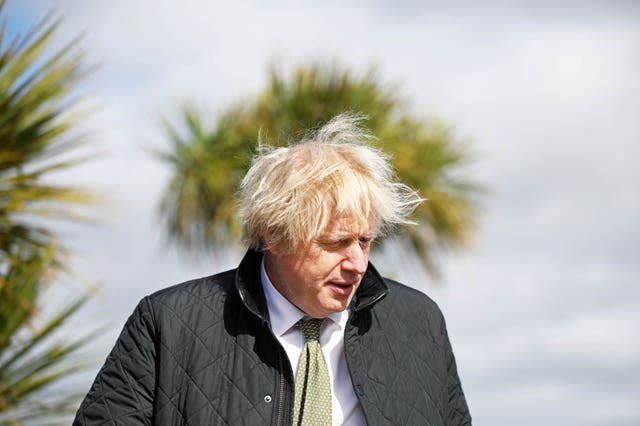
[291, 194]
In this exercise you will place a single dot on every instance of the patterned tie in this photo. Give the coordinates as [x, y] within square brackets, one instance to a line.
[313, 388]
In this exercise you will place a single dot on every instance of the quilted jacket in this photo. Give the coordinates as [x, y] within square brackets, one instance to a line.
[202, 353]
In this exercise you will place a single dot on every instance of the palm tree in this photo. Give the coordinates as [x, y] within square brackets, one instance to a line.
[37, 118]
[199, 205]
[30, 360]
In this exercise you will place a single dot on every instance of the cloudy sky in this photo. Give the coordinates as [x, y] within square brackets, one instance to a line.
[543, 309]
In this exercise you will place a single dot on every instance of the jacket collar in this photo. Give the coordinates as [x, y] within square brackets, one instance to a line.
[372, 288]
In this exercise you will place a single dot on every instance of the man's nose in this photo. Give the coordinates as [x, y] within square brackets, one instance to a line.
[355, 258]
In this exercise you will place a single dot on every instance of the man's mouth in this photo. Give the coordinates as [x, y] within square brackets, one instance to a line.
[341, 288]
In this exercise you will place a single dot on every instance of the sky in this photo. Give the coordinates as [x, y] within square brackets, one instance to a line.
[543, 308]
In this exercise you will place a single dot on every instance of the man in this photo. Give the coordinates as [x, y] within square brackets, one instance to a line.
[305, 330]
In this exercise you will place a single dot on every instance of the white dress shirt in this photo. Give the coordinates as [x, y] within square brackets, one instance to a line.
[284, 315]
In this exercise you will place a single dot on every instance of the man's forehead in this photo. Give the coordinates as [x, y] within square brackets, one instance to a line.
[348, 225]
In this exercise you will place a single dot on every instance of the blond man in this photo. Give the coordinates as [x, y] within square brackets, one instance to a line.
[236, 347]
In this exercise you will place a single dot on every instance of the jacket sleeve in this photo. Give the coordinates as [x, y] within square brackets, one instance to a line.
[458, 411]
[123, 391]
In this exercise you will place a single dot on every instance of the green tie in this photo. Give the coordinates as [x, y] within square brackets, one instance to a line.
[313, 388]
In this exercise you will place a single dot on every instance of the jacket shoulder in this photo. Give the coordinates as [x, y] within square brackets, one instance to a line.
[198, 300]
[413, 301]
[202, 288]
[405, 308]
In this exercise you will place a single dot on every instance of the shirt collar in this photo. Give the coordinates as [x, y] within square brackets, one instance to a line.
[284, 314]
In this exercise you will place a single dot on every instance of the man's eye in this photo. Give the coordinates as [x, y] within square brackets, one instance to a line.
[365, 241]
[343, 243]
[336, 244]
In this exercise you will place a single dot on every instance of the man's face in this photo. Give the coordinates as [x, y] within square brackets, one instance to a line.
[321, 277]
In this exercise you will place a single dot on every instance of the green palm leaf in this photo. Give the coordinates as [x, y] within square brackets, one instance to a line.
[36, 119]
[30, 357]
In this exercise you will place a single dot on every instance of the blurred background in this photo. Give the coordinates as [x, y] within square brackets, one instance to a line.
[520, 121]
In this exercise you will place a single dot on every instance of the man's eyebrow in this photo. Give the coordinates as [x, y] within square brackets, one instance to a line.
[334, 236]
[343, 234]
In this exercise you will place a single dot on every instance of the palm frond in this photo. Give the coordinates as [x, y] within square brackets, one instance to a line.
[37, 119]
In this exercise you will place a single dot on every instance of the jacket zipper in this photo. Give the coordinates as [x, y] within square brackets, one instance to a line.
[280, 409]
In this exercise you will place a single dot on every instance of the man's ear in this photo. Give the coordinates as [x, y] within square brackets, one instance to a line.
[269, 244]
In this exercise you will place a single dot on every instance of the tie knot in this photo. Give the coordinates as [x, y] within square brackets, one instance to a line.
[310, 328]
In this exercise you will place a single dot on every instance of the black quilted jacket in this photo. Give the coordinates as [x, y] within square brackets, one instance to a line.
[202, 353]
